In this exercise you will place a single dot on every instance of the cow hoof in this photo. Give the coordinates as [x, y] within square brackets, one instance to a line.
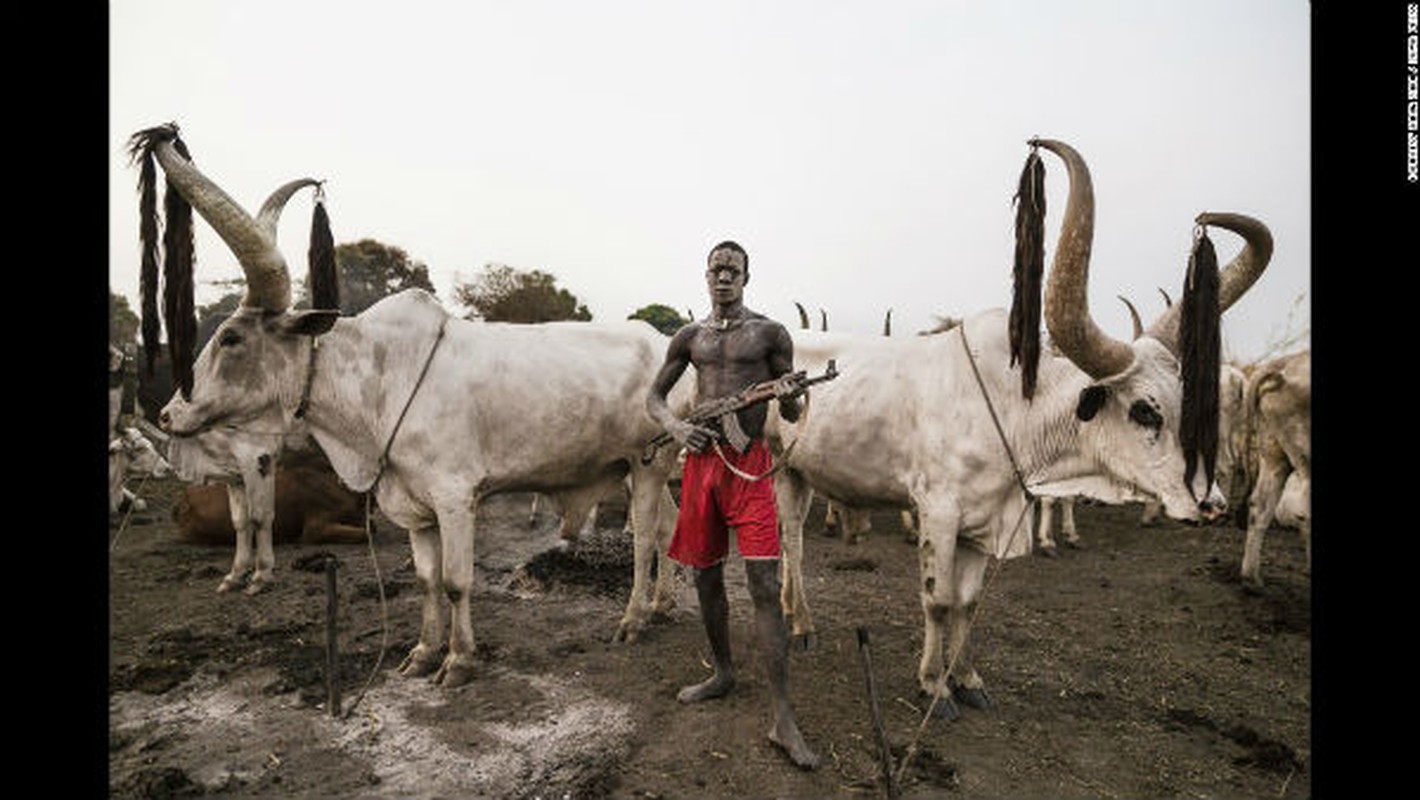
[1049, 552]
[972, 698]
[627, 632]
[944, 708]
[415, 665]
[229, 583]
[257, 586]
[453, 675]
[1075, 545]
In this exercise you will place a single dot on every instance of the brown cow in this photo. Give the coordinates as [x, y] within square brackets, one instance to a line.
[312, 506]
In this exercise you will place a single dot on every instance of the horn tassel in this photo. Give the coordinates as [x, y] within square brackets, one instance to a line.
[179, 255]
[149, 257]
[1200, 343]
[1027, 269]
[324, 274]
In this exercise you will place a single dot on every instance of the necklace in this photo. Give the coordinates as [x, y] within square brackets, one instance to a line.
[725, 323]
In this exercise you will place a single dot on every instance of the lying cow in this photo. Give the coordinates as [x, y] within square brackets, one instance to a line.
[132, 454]
[312, 507]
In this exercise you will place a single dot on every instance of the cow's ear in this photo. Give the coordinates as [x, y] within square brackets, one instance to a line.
[1091, 401]
[311, 322]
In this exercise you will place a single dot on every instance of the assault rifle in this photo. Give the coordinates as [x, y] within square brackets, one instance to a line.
[724, 409]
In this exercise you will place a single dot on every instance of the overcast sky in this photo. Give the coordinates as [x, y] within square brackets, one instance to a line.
[865, 154]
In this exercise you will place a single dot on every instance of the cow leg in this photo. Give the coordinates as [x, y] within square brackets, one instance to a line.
[1047, 520]
[456, 540]
[856, 523]
[242, 559]
[936, 546]
[647, 484]
[1067, 523]
[793, 497]
[909, 526]
[832, 518]
[1262, 507]
[260, 491]
[663, 596]
[1153, 510]
[965, 684]
[579, 510]
[423, 658]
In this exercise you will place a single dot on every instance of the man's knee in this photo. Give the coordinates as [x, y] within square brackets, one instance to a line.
[762, 575]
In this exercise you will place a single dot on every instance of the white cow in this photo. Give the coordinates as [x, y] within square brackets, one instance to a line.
[132, 454]
[244, 460]
[912, 422]
[431, 412]
[1228, 470]
[1278, 406]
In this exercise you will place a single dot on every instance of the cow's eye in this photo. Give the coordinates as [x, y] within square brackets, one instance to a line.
[230, 338]
[1144, 414]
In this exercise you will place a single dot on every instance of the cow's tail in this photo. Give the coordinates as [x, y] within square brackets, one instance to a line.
[1029, 265]
[1200, 343]
[177, 254]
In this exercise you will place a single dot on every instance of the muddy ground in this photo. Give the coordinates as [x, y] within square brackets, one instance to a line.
[1137, 667]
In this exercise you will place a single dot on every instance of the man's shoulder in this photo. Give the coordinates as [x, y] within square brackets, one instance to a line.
[760, 319]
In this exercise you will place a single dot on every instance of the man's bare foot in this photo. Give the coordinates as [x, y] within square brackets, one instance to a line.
[712, 687]
[788, 738]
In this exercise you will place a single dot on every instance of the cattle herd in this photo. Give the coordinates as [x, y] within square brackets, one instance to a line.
[298, 421]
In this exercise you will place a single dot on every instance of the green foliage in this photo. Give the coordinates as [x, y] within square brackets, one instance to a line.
[371, 271]
[122, 322]
[212, 315]
[662, 317]
[503, 294]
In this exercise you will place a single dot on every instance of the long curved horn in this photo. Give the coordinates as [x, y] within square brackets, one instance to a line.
[1233, 280]
[1067, 312]
[1168, 301]
[252, 241]
[822, 320]
[887, 323]
[803, 315]
[1133, 315]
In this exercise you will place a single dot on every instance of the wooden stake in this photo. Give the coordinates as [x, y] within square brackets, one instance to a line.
[884, 750]
[332, 686]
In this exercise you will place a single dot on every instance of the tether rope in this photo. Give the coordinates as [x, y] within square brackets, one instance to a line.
[995, 569]
[369, 528]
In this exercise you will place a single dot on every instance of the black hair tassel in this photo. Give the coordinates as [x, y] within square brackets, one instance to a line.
[1200, 345]
[1028, 267]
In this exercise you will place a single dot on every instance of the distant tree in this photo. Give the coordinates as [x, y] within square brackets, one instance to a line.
[662, 318]
[503, 294]
[122, 322]
[1295, 333]
[214, 314]
[371, 271]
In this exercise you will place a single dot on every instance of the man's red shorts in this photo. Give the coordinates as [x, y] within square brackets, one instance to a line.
[714, 499]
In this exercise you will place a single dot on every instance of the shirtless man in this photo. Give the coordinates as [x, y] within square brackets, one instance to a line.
[731, 349]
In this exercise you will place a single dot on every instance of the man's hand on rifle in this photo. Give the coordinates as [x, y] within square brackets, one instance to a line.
[790, 409]
[784, 387]
[692, 437]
